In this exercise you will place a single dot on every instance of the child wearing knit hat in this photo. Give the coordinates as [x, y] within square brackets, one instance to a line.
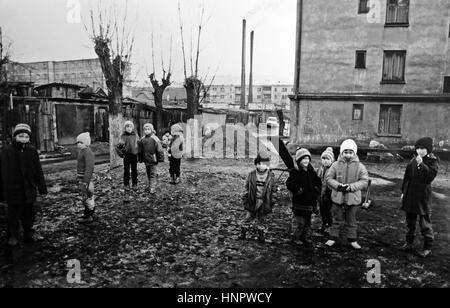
[305, 186]
[21, 177]
[258, 196]
[85, 172]
[346, 177]
[150, 153]
[175, 153]
[128, 149]
[325, 203]
[416, 194]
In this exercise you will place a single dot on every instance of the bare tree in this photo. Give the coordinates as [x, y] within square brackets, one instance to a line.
[4, 60]
[113, 43]
[195, 87]
[159, 88]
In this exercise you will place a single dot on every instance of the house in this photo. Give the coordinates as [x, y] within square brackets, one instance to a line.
[375, 70]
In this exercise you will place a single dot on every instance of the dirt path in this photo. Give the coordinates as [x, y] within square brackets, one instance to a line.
[186, 236]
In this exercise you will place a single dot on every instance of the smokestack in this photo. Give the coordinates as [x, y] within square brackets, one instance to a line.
[243, 65]
[250, 83]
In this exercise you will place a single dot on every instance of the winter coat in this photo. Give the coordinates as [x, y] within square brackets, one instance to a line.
[150, 151]
[128, 144]
[85, 165]
[249, 198]
[176, 146]
[325, 193]
[416, 187]
[353, 173]
[305, 186]
[20, 174]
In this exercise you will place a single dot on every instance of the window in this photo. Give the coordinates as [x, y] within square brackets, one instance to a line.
[363, 7]
[358, 110]
[267, 89]
[284, 90]
[267, 96]
[390, 119]
[259, 89]
[394, 66]
[397, 12]
[447, 84]
[360, 59]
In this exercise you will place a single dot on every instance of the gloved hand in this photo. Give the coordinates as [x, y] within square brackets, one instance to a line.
[342, 188]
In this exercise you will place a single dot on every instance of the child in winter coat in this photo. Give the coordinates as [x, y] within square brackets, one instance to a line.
[325, 202]
[150, 153]
[128, 149]
[20, 176]
[85, 172]
[258, 196]
[175, 153]
[346, 177]
[305, 186]
[416, 194]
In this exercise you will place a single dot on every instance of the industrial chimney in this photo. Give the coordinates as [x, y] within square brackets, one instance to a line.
[243, 66]
[250, 83]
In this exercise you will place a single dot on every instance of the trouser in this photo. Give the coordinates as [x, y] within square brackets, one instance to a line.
[344, 222]
[174, 166]
[425, 228]
[301, 226]
[325, 213]
[152, 173]
[87, 197]
[20, 213]
[130, 161]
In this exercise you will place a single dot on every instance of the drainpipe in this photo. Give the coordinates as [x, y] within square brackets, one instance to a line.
[295, 104]
[243, 66]
[250, 83]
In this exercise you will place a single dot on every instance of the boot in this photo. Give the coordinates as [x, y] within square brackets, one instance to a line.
[172, 179]
[261, 237]
[243, 234]
[177, 180]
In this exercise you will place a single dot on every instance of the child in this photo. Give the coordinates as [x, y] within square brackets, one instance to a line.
[150, 153]
[21, 174]
[346, 177]
[85, 171]
[175, 153]
[325, 202]
[258, 196]
[416, 194]
[128, 145]
[305, 186]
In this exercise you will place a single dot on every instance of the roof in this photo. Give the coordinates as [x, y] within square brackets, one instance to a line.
[59, 84]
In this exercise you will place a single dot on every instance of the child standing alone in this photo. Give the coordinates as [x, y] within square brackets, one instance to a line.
[305, 186]
[416, 194]
[346, 177]
[85, 172]
[20, 177]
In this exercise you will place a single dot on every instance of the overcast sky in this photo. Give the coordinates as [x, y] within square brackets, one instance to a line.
[43, 30]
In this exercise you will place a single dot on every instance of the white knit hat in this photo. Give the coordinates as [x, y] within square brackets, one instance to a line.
[84, 138]
[349, 144]
[128, 123]
[176, 129]
[302, 153]
[149, 125]
[22, 128]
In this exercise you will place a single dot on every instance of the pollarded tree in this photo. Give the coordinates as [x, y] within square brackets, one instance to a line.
[113, 44]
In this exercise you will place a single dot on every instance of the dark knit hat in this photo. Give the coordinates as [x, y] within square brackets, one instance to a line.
[426, 143]
[302, 153]
[262, 156]
[22, 128]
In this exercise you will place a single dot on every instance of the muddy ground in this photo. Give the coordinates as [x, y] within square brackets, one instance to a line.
[186, 235]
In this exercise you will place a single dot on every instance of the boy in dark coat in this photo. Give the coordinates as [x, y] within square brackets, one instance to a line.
[21, 174]
[416, 194]
[128, 149]
[258, 196]
[305, 186]
[150, 153]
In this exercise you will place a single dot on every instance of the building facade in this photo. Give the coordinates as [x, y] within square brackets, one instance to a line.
[85, 72]
[371, 70]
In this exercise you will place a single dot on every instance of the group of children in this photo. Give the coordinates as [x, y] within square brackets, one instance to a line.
[334, 191]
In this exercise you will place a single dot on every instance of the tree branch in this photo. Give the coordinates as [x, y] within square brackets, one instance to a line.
[182, 40]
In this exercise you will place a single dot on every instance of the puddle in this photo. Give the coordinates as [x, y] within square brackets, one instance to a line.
[439, 196]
